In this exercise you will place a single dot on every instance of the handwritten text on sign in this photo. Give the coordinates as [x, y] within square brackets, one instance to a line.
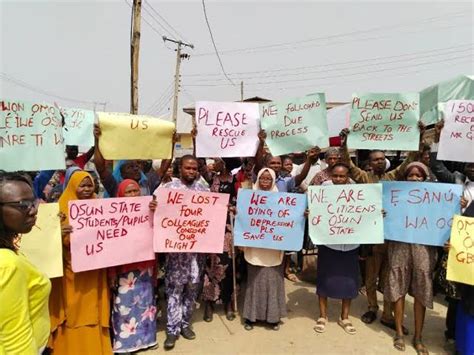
[295, 125]
[270, 220]
[384, 121]
[110, 232]
[345, 214]
[227, 129]
[30, 136]
[78, 127]
[457, 137]
[461, 254]
[127, 136]
[419, 212]
[189, 221]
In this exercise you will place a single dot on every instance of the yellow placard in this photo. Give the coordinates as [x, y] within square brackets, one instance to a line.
[43, 245]
[186, 141]
[126, 136]
[461, 254]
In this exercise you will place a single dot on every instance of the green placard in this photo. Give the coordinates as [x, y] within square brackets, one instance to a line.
[385, 121]
[30, 136]
[295, 125]
[345, 214]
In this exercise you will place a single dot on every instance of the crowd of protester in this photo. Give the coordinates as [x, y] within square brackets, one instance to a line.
[115, 310]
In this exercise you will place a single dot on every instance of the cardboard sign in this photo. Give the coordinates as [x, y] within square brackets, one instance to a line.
[79, 126]
[461, 254]
[110, 232]
[295, 125]
[457, 137]
[271, 220]
[189, 221]
[227, 129]
[30, 136]
[345, 214]
[43, 246]
[419, 212]
[126, 136]
[385, 121]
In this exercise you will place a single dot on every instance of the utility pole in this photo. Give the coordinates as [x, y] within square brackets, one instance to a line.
[134, 54]
[241, 91]
[179, 57]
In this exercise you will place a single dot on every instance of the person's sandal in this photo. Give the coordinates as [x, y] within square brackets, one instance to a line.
[248, 326]
[420, 348]
[321, 325]
[399, 343]
[369, 317]
[347, 326]
[291, 277]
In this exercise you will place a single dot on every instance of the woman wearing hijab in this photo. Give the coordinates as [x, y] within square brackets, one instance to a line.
[410, 270]
[218, 283]
[133, 300]
[79, 302]
[265, 293]
[24, 290]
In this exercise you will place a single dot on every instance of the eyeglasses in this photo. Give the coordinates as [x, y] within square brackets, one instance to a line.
[265, 179]
[23, 205]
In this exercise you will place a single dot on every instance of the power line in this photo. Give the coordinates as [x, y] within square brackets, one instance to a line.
[330, 69]
[164, 105]
[469, 58]
[166, 22]
[214, 44]
[159, 101]
[30, 87]
[438, 51]
[148, 23]
[435, 19]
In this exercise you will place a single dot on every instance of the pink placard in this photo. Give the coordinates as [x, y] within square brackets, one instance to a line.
[189, 221]
[110, 232]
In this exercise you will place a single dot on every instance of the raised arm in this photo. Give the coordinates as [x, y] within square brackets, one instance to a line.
[437, 166]
[260, 154]
[99, 161]
[310, 156]
[357, 174]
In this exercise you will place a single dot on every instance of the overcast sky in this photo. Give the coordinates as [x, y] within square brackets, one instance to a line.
[81, 50]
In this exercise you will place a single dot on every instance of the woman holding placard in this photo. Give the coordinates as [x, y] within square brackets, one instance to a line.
[133, 299]
[410, 270]
[24, 290]
[218, 284]
[338, 269]
[265, 293]
[79, 302]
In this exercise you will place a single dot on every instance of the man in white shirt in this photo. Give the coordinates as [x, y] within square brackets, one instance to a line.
[316, 166]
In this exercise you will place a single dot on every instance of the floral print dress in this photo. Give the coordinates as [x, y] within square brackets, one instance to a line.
[134, 311]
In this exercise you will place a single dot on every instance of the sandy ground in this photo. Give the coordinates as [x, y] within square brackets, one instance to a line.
[296, 335]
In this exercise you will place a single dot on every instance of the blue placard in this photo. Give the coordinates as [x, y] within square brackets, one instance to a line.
[420, 212]
[270, 220]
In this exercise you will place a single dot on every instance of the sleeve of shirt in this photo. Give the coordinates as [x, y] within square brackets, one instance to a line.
[291, 184]
[110, 185]
[397, 173]
[16, 330]
[356, 173]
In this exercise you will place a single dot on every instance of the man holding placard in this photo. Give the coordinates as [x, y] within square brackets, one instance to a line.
[376, 263]
[183, 270]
